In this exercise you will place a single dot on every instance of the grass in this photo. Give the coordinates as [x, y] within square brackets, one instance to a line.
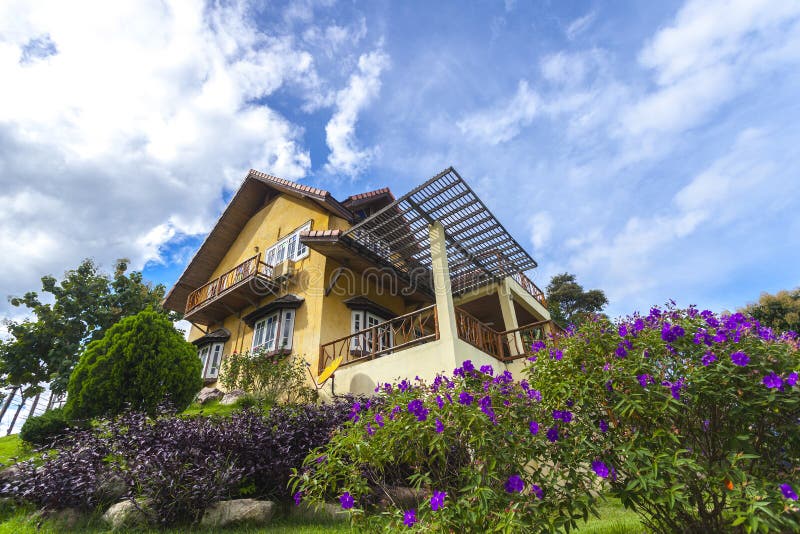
[13, 449]
[614, 519]
[210, 408]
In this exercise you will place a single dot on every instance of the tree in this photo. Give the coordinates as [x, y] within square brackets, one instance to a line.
[45, 348]
[568, 302]
[139, 363]
[780, 311]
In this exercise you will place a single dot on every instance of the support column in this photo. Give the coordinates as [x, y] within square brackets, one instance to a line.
[445, 309]
[510, 318]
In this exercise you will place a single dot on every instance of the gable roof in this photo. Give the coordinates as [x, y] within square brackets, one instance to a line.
[370, 196]
[257, 189]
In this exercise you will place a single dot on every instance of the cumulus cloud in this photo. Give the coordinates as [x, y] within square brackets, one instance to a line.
[502, 123]
[121, 124]
[362, 88]
[541, 228]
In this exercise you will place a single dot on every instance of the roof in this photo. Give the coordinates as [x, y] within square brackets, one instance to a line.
[287, 301]
[363, 303]
[370, 196]
[220, 334]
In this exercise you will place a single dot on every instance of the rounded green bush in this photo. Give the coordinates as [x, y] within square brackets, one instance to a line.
[140, 363]
[44, 429]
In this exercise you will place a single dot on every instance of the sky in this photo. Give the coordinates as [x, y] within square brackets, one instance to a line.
[650, 148]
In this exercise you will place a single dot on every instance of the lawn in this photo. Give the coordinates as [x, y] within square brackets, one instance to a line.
[12, 450]
[613, 520]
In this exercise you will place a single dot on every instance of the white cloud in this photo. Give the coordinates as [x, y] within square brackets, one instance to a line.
[502, 123]
[362, 88]
[540, 226]
[121, 131]
[579, 25]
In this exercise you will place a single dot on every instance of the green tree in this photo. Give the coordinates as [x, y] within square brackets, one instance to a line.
[568, 302]
[780, 311]
[75, 311]
[140, 362]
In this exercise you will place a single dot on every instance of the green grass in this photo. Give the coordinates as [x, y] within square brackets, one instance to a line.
[614, 519]
[13, 449]
[210, 408]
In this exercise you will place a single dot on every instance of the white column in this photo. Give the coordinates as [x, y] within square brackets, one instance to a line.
[441, 283]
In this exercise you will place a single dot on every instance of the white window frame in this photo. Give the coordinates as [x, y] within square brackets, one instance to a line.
[289, 247]
[280, 325]
[211, 357]
[362, 320]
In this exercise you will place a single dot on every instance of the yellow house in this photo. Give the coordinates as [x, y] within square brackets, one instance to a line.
[396, 288]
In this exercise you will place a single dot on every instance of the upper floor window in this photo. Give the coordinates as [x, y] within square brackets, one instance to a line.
[275, 331]
[380, 338]
[288, 248]
[211, 357]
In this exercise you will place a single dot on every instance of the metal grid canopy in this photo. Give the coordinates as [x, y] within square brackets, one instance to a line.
[479, 249]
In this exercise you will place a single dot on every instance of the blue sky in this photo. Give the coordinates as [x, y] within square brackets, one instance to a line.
[648, 147]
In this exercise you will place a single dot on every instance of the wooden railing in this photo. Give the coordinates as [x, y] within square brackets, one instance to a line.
[247, 269]
[505, 346]
[528, 285]
[402, 332]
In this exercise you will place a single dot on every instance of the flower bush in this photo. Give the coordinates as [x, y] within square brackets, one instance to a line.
[268, 377]
[481, 450]
[690, 418]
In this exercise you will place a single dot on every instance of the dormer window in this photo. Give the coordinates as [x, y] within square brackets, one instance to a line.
[273, 324]
[210, 350]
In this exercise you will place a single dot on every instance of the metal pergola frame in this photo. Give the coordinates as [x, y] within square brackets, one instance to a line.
[479, 248]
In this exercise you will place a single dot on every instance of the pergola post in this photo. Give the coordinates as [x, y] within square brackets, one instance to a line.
[448, 329]
[510, 322]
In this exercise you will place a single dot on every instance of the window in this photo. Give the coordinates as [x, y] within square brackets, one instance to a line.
[362, 320]
[289, 247]
[211, 357]
[275, 331]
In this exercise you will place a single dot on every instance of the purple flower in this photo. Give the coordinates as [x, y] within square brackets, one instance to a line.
[607, 367]
[369, 429]
[610, 385]
[298, 497]
[346, 500]
[486, 407]
[643, 380]
[788, 492]
[623, 330]
[600, 469]
[487, 370]
[706, 424]
[772, 381]
[537, 346]
[440, 401]
[603, 426]
[465, 398]
[404, 386]
[535, 394]
[534, 427]
[417, 408]
[320, 459]
[638, 325]
[467, 366]
[437, 500]
[708, 358]
[379, 420]
[740, 358]
[552, 434]
[536, 490]
[394, 412]
[671, 333]
[410, 517]
[556, 354]
[514, 484]
[621, 351]
[564, 415]
[439, 426]
[791, 380]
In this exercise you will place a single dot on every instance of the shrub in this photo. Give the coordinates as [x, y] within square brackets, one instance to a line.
[690, 417]
[140, 363]
[482, 453]
[269, 377]
[44, 429]
[181, 465]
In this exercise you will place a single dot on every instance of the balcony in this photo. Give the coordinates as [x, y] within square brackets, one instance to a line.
[532, 289]
[409, 330]
[242, 286]
[505, 346]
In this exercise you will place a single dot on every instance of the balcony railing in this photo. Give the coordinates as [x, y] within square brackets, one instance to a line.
[504, 346]
[528, 285]
[402, 332]
[247, 270]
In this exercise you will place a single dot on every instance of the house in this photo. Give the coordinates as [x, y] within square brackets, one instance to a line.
[393, 287]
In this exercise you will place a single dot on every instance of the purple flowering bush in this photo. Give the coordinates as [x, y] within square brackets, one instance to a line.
[480, 449]
[690, 418]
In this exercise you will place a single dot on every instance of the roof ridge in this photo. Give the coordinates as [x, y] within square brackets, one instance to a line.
[289, 183]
